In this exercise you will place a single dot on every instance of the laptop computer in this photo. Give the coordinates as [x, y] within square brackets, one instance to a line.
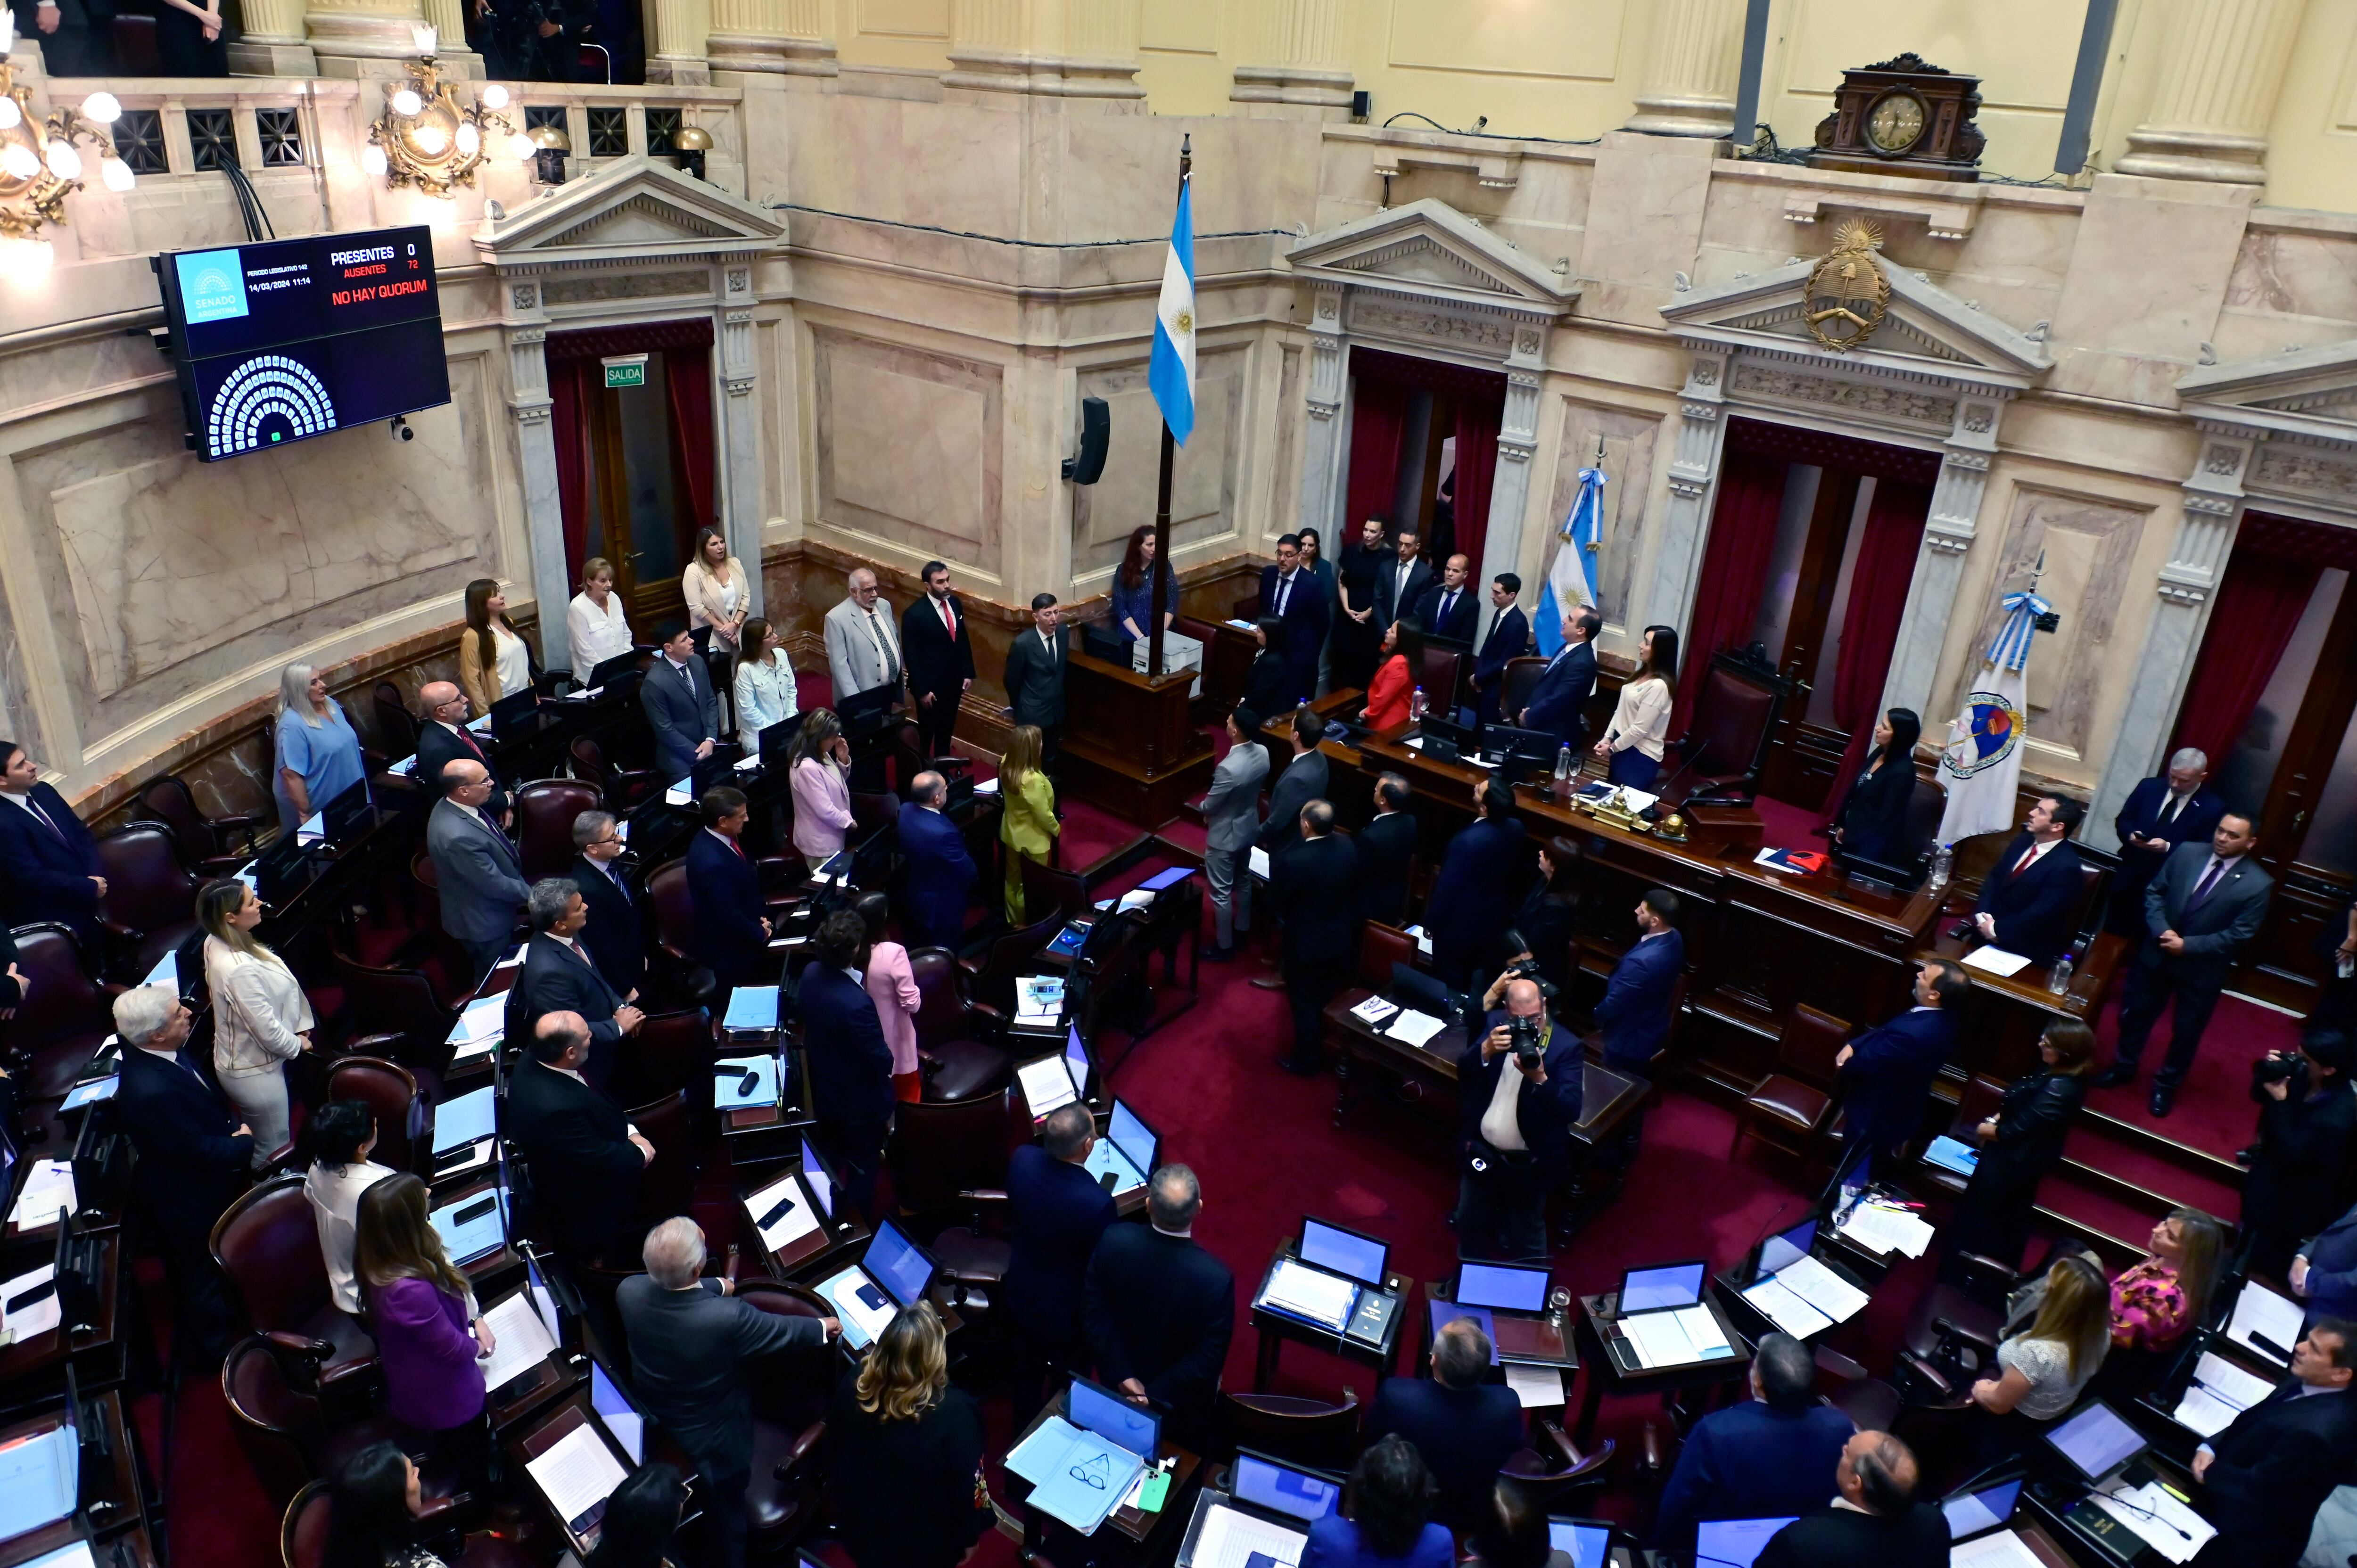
[1505, 740]
[820, 1181]
[1050, 1083]
[513, 712]
[1123, 1157]
[1286, 1492]
[1501, 1287]
[1788, 1246]
[865, 710]
[2096, 1442]
[1979, 1505]
[866, 1295]
[620, 1417]
[1447, 742]
[620, 664]
[1734, 1543]
[347, 814]
[1335, 1281]
[1660, 1287]
[776, 739]
[1093, 1407]
[1265, 1513]
[281, 871]
[1587, 1541]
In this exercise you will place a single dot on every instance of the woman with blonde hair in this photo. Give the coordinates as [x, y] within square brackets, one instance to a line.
[494, 661]
[819, 779]
[765, 683]
[907, 1478]
[422, 1311]
[319, 753]
[261, 1020]
[718, 596]
[1027, 823]
[596, 626]
[2040, 1369]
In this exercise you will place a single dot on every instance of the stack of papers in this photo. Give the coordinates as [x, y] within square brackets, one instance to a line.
[1136, 898]
[1997, 962]
[2220, 1391]
[480, 1027]
[29, 1305]
[1047, 1085]
[741, 1082]
[1880, 1230]
[41, 1480]
[749, 764]
[1308, 1292]
[1075, 1475]
[679, 794]
[861, 1303]
[1259, 858]
[1675, 1338]
[578, 1474]
[1806, 1298]
[1414, 1028]
[2002, 1549]
[782, 1212]
[752, 1008]
[48, 1193]
[513, 961]
[166, 972]
[986, 787]
[462, 1121]
[1232, 1539]
[2265, 1322]
[1422, 939]
[2166, 1522]
[1038, 1001]
[522, 1339]
[1373, 1011]
[1539, 1387]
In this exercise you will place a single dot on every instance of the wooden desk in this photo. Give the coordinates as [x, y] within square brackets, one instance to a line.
[572, 1414]
[1535, 1338]
[1130, 745]
[1277, 1327]
[812, 1255]
[1598, 1335]
[1128, 1535]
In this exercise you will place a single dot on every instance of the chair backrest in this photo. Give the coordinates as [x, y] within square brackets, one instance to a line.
[1521, 679]
[390, 1092]
[875, 809]
[168, 802]
[1309, 1433]
[1925, 806]
[1380, 947]
[268, 1245]
[789, 1390]
[1975, 858]
[1979, 1101]
[1442, 676]
[2092, 879]
[1050, 894]
[1009, 956]
[1735, 714]
[396, 727]
[147, 889]
[544, 810]
[280, 1427]
[940, 1148]
[400, 1000]
[62, 1001]
[589, 762]
[665, 1056]
[303, 1534]
[670, 1180]
[133, 39]
[945, 1013]
[675, 906]
[1810, 1042]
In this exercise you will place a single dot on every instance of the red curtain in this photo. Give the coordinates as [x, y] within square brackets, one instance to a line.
[2259, 604]
[1477, 464]
[1378, 416]
[687, 380]
[1734, 568]
[1877, 596]
[569, 420]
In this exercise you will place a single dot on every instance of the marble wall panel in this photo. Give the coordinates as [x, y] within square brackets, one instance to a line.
[1203, 474]
[1630, 440]
[910, 446]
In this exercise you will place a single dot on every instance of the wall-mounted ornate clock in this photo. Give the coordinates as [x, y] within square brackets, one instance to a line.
[1902, 116]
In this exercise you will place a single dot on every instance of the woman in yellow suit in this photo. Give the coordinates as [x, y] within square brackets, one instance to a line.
[1029, 825]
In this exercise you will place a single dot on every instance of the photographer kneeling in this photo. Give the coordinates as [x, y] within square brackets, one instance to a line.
[2298, 1182]
[1518, 1086]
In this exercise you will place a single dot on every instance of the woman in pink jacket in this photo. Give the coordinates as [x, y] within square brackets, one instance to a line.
[821, 786]
[892, 986]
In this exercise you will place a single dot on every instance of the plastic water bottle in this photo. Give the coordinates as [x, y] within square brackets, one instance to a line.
[1562, 763]
[1416, 704]
[2057, 979]
[1942, 862]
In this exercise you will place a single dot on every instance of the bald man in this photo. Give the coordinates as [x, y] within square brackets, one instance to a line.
[1873, 1519]
[1518, 1111]
[444, 739]
[1450, 610]
[475, 866]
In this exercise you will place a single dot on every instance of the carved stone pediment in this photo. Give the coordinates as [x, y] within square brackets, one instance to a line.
[1430, 251]
[2307, 394]
[634, 210]
[1926, 332]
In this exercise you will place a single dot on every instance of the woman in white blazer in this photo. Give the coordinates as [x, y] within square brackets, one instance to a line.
[261, 1020]
[340, 1139]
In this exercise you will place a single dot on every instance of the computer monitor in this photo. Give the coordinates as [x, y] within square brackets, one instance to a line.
[1733, 1542]
[1093, 1407]
[1787, 1246]
[863, 709]
[513, 712]
[620, 664]
[620, 1416]
[1344, 1253]
[1279, 1487]
[1132, 1137]
[1501, 1287]
[776, 739]
[278, 875]
[897, 1264]
[1411, 987]
[1505, 740]
[1076, 1058]
[1587, 1541]
[1167, 878]
[1969, 1513]
[347, 814]
[1903, 877]
[2096, 1441]
[815, 1175]
[1663, 1285]
[1461, 740]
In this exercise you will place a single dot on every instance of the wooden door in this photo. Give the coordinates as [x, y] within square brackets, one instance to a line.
[1803, 757]
[641, 506]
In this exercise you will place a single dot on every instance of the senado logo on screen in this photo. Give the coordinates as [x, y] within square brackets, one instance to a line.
[212, 285]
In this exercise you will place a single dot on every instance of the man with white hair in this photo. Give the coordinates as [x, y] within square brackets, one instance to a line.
[863, 641]
[1159, 1310]
[689, 1339]
[194, 1153]
[2160, 814]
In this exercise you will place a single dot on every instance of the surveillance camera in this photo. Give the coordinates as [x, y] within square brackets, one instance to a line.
[399, 425]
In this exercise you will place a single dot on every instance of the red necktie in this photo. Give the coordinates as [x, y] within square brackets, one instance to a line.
[2028, 856]
[949, 621]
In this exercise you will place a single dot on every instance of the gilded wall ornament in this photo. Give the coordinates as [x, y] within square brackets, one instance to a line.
[1848, 295]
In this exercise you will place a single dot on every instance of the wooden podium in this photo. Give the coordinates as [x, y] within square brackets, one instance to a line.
[1129, 746]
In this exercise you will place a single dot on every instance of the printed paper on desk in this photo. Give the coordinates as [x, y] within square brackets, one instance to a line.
[2002, 1549]
[513, 961]
[1997, 962]
[1880, 1230]
[1414, 1028]
[1306, 1293]
[1539, 1387]
[729, 1092]
[2231, 1383]
[75, 1556]
[678, 795]
[1049, 1441]
[986, 787]
[2261, 1312]
[166, 972]
[2203, 1411]
[463, 1120]
[856, 1299]
[2154, 1512]
[48, 1192]
[1784, 1307]
[1703, 1332]
[33, 1318]
[1260, 863]
[752, 1007]
[481, 725]
[1230, 1539]
[523, 1340]
[576, 1475]
[90, 1093]
[1047, 1085]
[1373, 1011]
[748, 765]
[1823, 1289]
[784, 1213]
[1659, 1340]
[486, 1018]
[40, 1477]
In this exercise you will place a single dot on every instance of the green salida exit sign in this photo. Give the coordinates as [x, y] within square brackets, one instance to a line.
[626, 370]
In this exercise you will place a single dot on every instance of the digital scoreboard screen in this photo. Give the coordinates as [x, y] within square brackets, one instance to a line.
[291, 338]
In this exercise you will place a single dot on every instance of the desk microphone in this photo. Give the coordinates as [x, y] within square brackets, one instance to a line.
[1761, 1239]
[1693, 755]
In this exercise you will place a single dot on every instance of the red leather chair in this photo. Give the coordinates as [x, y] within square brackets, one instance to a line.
[1519, 682]
[622, 787]
[1735, 711]
[390, 1092]
[954, 1032]
[874, 809]
[411, 1025]
[149, 894]
[669, 1184]
[65, 1017]
[991, 979]
[396, 727]
[1554, 1469]
[670, 1054]
[544, 810]
[674, 903]
[940, 1151]
[210, 846]
[133, 39]
[1442, 677]
[1307, 1431]
[268, 1245]
[284, 1432]
[1380, 946]
[1793, 1105]
[1049, 893]
[790, 1397]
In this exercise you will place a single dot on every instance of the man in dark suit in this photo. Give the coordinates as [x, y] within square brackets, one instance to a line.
[1507, 638]
[615, 936]
[939, 647]
[2299, 1166]
[2201, 910]
[1449, 609]
[1295, 597]
[677, 698]
[73, 35]
[937, 873]
[1885, 1074]
[584, 1157]
[850, 1064]
[477, 873]
[1401, 582]
[1765, 1458]
[690, 1342]
[732, 927]
[1269, 688]
[1561, 699]
[1465, 1428]
[51, 859]
[1517, 1121]
[1634, 1015]
[2030, 902]
[1056, 1215]
[2264, 1478]
[1313, 884]
[2324, 1271]
[559, 977]
[1386, 845]
[1160, 1310]
[194, 1155]
[1303, 780]
[1875, 1521]
[1483, 876]
[2160, 814]
[444, 739]
[1036, 663]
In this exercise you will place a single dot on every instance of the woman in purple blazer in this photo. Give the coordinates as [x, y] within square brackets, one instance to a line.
[422, 1313]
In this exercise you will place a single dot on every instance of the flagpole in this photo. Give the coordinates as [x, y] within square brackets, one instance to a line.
[1162, 485]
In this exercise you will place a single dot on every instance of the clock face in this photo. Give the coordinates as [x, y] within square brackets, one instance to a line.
[1895, 123]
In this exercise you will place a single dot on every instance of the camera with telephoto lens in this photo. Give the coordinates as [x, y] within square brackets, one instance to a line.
[1522, 1039]
[1526, 968]
[2287, 1068]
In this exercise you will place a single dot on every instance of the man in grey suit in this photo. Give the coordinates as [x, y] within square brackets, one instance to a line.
[2202, 909]
[689, 1340]
[1036, 663]
[1230, 819]
[480, 878]
[863, 641]
[681, 708]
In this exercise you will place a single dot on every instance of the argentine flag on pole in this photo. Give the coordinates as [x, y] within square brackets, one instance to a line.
[1171, 374]
[1982, 765]
[1571, 578]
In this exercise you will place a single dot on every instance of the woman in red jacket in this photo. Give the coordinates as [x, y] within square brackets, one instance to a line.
[1389, 693]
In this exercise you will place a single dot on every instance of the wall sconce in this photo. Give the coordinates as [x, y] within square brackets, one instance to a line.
[689, 143]
[549, 146]
[424, 138]
[42, 160]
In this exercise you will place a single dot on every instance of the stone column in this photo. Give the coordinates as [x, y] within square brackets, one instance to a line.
[2221, 65]
[739, 459]
[1939, 564]
[1321, 450]
[1518, 439]
[367, 38]
[1056, 48]
[784, 36]
[675, 51]
[1303, 65]
[2205, 535]
[1691, 69]
[543, 508]
[1693, 477]
[272, 43]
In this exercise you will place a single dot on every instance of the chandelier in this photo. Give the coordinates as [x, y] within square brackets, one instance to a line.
[44, 158]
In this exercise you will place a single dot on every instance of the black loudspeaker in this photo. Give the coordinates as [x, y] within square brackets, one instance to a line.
[1096, 434]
